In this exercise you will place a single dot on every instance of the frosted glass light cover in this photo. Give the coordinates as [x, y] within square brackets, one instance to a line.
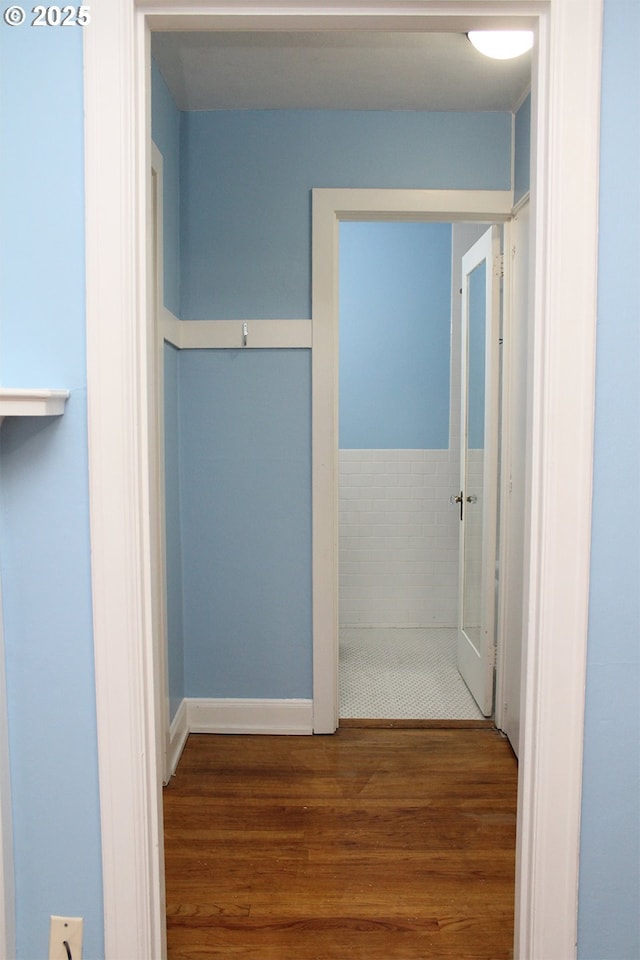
[501, 44]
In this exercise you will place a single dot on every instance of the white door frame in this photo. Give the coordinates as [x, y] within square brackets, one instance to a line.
[157, 493]
[331, 207]
[516, 327]
[565, 188]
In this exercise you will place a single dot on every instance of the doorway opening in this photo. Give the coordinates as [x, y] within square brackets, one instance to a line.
[402, 300]
[430, 206]
[434, 209]
[566, 115]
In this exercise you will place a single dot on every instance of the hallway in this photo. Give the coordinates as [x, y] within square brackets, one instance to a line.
[376, 844]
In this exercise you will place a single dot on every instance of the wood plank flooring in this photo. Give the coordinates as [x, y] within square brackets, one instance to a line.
[379, 844]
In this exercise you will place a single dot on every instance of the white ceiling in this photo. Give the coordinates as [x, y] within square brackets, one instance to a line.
[336, 71]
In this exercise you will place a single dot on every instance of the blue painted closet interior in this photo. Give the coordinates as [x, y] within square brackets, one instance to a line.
[245, 465]
[239, 422]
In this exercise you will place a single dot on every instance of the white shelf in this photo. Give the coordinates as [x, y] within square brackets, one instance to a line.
[19, 402]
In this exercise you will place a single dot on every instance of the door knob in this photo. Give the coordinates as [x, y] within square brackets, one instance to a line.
[457, 499]
[472, 498]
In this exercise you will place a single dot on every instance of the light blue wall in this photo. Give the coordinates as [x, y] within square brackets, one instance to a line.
[522, 150]
[395, 333]
[165, 130]
[246, 513]
[246, 181]
[44, 527]
[609, 927]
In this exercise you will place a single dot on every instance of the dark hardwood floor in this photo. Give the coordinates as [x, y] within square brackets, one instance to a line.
[384, 844]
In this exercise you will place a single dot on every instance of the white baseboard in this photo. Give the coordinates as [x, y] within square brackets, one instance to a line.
[178, 733]
[230, 715]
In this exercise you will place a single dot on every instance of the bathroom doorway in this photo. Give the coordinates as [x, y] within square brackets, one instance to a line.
[400, 401]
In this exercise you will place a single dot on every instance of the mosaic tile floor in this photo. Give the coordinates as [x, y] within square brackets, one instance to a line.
[402, 674]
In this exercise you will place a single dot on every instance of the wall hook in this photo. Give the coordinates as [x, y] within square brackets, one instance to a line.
[245, 334]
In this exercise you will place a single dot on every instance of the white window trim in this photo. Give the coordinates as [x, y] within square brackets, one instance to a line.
[565, 182]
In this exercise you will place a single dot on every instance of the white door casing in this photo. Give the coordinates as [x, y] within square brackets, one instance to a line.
[157, 457]
[329, 208]
[514, 473]
[560, 437]
[478, 494]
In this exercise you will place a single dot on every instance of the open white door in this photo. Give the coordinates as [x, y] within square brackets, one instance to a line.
[481, 271]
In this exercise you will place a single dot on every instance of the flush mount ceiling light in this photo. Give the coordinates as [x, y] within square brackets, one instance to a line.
[501, 44]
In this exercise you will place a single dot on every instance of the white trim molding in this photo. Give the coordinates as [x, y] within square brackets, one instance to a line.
[565, 114]
[178, 733]
[331, 207]
[564, 194]
[231, 715]
[235, 334]
[170, 328]
[225, 715]
[157, 499]
[117, 165]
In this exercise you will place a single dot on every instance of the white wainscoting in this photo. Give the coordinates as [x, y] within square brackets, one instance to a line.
[398, 538]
